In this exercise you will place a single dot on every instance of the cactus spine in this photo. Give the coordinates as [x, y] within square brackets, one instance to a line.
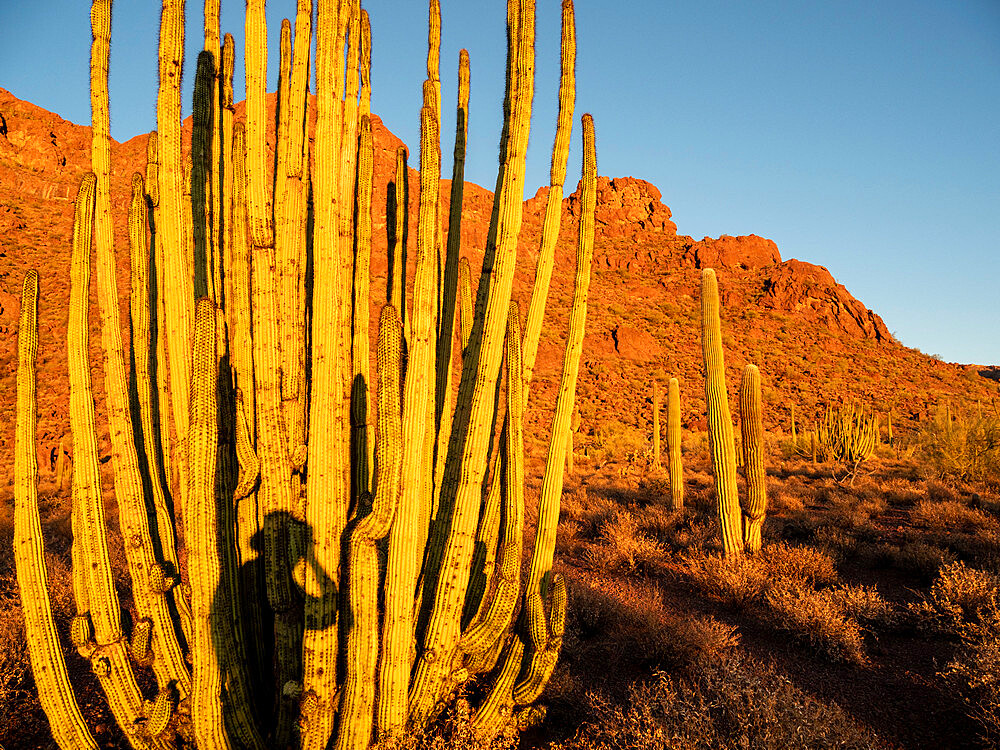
[720, 424]
[752, 432]
[674, 467]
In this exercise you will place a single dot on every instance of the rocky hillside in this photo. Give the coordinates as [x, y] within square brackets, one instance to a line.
[814, 342]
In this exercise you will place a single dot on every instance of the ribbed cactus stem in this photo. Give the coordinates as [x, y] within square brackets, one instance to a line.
[47, 664]
[656, 424]
[398, 235]
[553, 201]
[449, 281]
[467, 460]
[201, 523]
[675, 469]
[177, 278]
[328, 489]
[552, 481]
[720, 425]
[274, 496]
[202, 134]
[752, 431]
[141, 387]
[136, 515]
[362, 443]
[496, 611]
[467, 309]
[258, 199]
[498, 706]
[362, 647]
[93, 583]
[404, 541]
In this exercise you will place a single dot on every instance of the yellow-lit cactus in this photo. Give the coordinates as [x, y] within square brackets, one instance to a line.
[269, 629]
[752, 432]
[720, 424]
[674, 466]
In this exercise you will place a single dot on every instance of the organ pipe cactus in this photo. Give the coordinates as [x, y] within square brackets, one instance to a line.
[269, 630]
[849, 434]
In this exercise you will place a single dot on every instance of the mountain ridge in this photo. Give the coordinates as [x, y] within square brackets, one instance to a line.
[815, 343]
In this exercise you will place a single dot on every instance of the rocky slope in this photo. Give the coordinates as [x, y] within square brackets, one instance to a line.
[815, 343]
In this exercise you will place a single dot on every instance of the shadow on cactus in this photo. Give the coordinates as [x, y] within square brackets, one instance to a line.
[321, 552]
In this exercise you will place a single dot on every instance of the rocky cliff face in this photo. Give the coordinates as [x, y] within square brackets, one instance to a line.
[643, 311]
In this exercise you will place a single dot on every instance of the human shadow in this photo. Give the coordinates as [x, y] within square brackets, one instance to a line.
[258, 620]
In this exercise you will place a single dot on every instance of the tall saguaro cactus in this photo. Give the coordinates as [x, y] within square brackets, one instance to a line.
[720, 424]
[752, 432]
[674, 467]
[269, 628]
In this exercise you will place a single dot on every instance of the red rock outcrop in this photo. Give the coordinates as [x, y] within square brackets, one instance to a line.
[809, 289]
[627, 207]
[746, 252]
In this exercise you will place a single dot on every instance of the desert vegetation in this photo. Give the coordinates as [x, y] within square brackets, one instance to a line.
[236, 549]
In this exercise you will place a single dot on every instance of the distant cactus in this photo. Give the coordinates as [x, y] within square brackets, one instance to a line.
[752, 431]
[674, 467]
[849, 434]
[720, 425]
[656, 425]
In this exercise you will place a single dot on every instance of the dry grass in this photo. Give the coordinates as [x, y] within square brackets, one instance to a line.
[974, 672]
[729, 703]
[960, 596]
[817, 618]
[14, 667]
[784, 585]
[624, 548]
[951, 515]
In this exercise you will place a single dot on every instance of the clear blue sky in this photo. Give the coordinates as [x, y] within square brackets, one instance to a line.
[860, 135]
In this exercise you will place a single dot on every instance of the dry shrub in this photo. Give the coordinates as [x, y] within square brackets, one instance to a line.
[737, 582]
[937, 490]
[783, 499]
[624, 547]
[633, 615]
[863, 603]
[14, 664]
[736, 703]
[901, 492]
[919, 557]
[694, 533]
[852, 510]
[659, 522]
[592, 511]
[568, 541]
[817, 618]
[806, 564]
[835, 542]
[951, 515]
[974, 672]
[982, 549]
[960, 596]
[966, 447]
